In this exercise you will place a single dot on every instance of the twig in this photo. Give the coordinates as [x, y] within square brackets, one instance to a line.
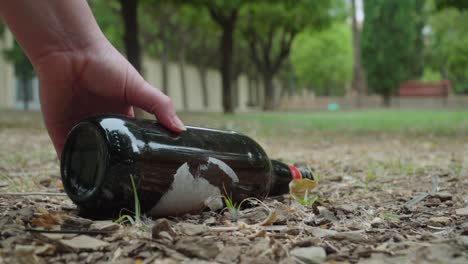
[236, 228]
[332, 247]
[32, 193]
[81, 232]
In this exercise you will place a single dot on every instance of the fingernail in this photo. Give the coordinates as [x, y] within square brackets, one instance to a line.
[176, 121]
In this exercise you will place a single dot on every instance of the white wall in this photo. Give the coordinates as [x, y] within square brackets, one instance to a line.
[7, 80]
[152, 71]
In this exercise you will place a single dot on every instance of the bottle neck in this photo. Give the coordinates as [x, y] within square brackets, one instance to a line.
[283, 174]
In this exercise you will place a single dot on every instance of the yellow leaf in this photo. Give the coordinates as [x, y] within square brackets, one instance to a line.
[301, 188]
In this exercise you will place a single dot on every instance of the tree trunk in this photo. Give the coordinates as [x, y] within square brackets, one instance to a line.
[202, 71]
[327, 88]
[235, 92]
[183, 79]
[250, 88]
[165, 67]
[387, 97]
[26, 95]
[257, 90]
[358, 82]
[129, 10]
[226, 65]
[269, 91]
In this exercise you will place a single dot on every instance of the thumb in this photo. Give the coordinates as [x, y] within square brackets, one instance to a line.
[152, 100]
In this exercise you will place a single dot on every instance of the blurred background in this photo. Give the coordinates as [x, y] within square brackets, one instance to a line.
[240, 56]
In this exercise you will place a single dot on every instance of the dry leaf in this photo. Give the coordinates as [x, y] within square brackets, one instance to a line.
[301, 188]
[48, 219]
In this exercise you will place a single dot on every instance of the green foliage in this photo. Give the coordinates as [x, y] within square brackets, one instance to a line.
[137, 218]
[232, 208]
[2, 29]
[270, 27]
[174, 23]
[23, 67]
[389, 43]
[307, 200]
[448, 46]
[323, 60]
[460, 4]
[429, 75]
[107, 14]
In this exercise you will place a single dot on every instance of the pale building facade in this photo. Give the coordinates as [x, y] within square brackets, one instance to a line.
[11, 94]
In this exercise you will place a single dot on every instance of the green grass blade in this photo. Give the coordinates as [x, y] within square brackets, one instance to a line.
[137, 201]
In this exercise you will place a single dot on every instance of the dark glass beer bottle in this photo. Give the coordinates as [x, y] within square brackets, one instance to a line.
[173, 173]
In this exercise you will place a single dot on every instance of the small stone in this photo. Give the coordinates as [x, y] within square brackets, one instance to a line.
[398, 238]
[327, 214]
[210, 221]
[309, 255]
[162, 225]
[335, 178]
[462, 211]
[288, 260]
[76, 223]
[104, 226]
[198, 248]
[320, 232]
[439, 221]
[464, 228]
[26, 212]
[165, 235]
[347, 208]
[352, 236]
[229, 255]
[259, 246]
[167, 261]
[45, 250]
[443, 196]
[464, 241]
[84, 242]
[377, 221]
[191, 229]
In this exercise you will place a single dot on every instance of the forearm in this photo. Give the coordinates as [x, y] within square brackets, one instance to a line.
[43, 27]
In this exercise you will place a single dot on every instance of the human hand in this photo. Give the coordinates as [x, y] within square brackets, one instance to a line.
[77, 84]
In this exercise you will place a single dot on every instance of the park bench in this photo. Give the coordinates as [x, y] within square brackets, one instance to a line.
[425, 89]
[419, 89]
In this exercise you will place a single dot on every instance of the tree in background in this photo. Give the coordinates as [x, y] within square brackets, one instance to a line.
[389, 40]
[108, 17]
[358, 85]
[225, 14]
[158, 28]
[323, 60]
[448, 46]
[203, 46]
[459, 4]
[182, 33]
[129, 12]
[23, 71]
[270, 28]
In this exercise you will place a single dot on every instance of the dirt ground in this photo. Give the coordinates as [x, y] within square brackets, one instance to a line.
[382, 199]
